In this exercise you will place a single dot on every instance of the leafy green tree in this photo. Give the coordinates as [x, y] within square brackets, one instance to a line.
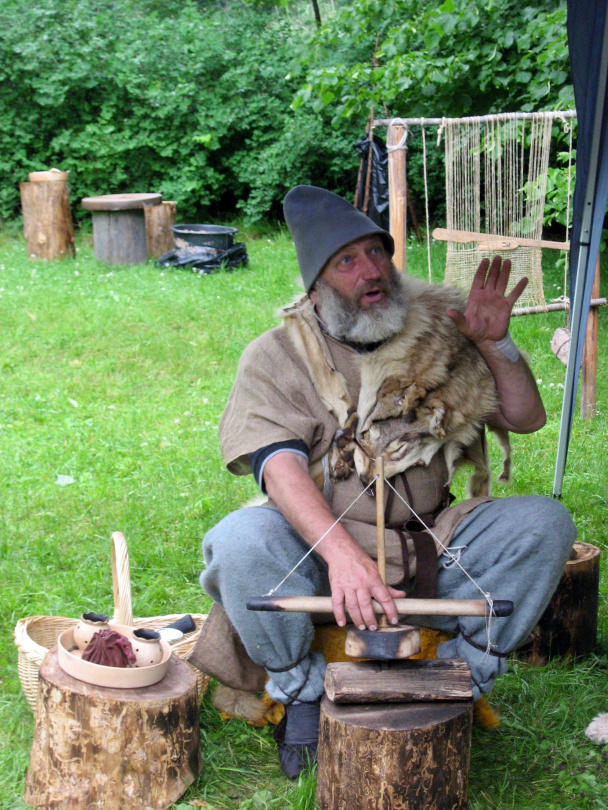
[461, 57]
[191, 102]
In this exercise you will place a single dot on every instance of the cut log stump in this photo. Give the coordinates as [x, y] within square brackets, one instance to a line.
[116, 749]
[159, 236]
[47, 219]
[394, 757]
[568, 627]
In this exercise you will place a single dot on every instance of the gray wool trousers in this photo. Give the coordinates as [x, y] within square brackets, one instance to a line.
[511, 548]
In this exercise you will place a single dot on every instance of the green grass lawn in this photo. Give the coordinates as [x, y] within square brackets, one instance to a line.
[115, 378]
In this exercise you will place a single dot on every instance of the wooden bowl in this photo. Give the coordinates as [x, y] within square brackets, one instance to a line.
[114, 677]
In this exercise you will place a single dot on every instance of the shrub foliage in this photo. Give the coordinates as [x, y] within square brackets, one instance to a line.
[224, 107]
[185, 100]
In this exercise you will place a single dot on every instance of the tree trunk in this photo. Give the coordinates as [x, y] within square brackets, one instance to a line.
[568, 627]
[47, 220]
[117, 749]
[394, 757]
[159, 236]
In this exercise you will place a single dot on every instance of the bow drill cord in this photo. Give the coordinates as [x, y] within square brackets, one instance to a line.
[446, 550]
[323, 536]
[457, 562]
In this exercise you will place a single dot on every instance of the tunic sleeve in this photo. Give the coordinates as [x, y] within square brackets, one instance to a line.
[272, 400]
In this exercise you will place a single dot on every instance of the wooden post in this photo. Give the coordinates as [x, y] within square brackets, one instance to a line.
[397, 194]
[120, 749]
[159, 236]
[381, 552]
[47, 219]
[406, 757]
[589, 364]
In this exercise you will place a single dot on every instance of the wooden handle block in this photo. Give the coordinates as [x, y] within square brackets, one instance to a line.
[385, 644]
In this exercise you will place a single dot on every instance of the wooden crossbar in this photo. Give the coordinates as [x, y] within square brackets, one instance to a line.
[495, 242]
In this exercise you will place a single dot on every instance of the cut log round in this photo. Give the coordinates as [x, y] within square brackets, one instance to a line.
[159, 236]
[394, 757]
[120, 749]
[568, 627]
[47, 220]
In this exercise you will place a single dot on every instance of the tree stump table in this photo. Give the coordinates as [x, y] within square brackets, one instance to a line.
[395, 736]
[116, 749]
[119, 226]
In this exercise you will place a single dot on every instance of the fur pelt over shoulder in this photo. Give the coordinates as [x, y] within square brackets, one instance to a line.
[424, 389]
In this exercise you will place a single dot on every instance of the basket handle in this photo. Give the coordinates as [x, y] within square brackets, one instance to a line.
[121, 580]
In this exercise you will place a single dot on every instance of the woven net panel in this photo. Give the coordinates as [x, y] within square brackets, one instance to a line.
[496, 181]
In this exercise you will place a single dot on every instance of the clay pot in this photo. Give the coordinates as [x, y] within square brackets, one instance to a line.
[147, 647]
[87, 626]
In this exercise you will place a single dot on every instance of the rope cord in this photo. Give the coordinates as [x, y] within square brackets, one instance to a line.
[401, 145]
[496, 171]
[455, 560]
[323, 536]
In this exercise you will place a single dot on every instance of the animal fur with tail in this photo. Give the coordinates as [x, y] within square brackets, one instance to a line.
[426, 388]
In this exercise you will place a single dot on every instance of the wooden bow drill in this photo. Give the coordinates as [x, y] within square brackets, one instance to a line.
[387, 642]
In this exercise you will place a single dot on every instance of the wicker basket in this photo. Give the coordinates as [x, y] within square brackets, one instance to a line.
[34, 635]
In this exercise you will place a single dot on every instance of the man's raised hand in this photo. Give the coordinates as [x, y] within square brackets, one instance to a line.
[488, 310]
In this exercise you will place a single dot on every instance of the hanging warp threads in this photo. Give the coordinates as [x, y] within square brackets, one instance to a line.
[510, 193]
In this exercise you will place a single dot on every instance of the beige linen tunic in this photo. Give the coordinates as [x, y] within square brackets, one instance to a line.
[274, 399]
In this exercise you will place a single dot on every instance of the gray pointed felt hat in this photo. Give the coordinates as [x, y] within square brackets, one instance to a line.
[321, 223]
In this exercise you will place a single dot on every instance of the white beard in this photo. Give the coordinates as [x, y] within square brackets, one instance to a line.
[346, 321]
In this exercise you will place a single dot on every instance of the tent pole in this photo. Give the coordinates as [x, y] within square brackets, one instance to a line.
[570, 384]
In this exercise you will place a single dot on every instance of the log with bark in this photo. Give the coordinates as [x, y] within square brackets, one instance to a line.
[47, 219]
[120, 749]
[394, 756]
[568, 627]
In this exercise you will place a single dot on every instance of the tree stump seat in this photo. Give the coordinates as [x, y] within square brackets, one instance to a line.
[117, 749]
[568, 627]
[395, 736]
[119, 226]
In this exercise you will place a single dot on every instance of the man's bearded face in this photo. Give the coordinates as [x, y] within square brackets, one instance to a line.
[356, 320]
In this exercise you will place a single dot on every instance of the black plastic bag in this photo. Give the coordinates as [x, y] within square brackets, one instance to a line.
[205, 259]
[377, 210]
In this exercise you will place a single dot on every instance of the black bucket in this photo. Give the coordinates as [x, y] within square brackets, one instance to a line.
[219, 237]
